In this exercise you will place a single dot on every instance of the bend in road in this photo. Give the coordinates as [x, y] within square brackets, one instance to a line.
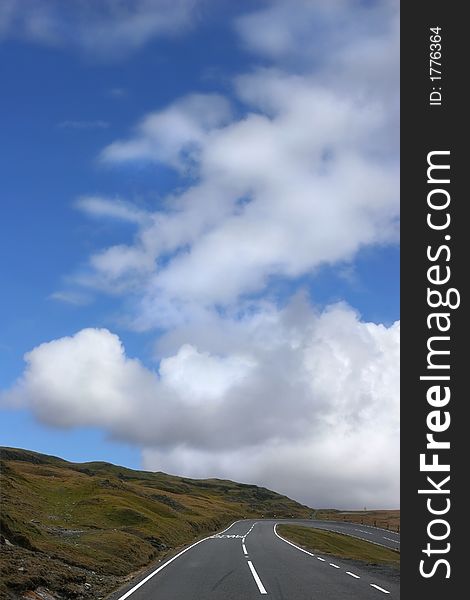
[247, 561]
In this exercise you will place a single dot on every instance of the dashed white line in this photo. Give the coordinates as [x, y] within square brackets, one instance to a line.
[251, 528]
[379, 588]
[344, 532]
[363, 525]
[262, 589]
[391, 540]
[244, 549]
[360, 530]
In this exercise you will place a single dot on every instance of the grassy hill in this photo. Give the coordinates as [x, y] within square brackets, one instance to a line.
[76, 530]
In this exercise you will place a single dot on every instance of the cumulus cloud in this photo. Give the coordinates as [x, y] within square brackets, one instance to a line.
[305, 402]
[108, 28]
[294, 169]
[80, 380]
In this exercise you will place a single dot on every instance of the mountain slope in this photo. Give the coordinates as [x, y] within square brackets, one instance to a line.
[79, 528]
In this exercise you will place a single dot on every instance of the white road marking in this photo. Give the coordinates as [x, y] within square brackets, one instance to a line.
[361, 531]
[352, 575]
[161, 567]
[262, 589]
[370, 526]
[249, 530]
[290, 543]
[141, 583]
[379, 588]
[391, 540]
[231, 525]
[382, 529]
[244, 549]
[343, 531]
[331, 564]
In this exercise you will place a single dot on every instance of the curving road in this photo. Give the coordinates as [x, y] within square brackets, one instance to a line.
[383, 537]
[249, 560]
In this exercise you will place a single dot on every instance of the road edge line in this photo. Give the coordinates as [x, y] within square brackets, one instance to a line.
[165, 564]
[290, 543]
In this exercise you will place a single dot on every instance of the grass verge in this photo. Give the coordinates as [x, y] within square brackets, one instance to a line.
[339, 545]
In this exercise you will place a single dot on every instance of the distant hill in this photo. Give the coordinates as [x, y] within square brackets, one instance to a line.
[76, 530]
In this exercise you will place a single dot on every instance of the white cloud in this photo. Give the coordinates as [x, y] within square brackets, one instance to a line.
[114, 208]
[173, 135]
[108, 28]
[182, 373]
[81, 380]
[74, 297]
[352, 48]
[296, 169]
[276, 194]
[302, 401]
[305, 174]
[316, 30]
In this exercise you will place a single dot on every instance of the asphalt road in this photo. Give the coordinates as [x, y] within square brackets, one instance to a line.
[390, 539]
[249, 560]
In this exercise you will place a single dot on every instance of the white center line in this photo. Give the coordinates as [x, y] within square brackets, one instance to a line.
[364, 531]
[391, 540]
[352, 575]
[333, 565]
[355, 536]
[244, 549]
[262, 589]
[322, 559]
[379, 588]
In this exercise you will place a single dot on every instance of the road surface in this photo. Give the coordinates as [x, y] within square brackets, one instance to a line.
[249, 560]
[390, 539]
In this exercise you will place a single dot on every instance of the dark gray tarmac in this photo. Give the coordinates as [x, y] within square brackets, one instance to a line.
[250, 561]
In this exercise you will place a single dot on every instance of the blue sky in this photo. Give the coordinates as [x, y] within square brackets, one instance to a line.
[194, 200]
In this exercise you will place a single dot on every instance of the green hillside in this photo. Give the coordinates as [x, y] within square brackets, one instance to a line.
[76, 530]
